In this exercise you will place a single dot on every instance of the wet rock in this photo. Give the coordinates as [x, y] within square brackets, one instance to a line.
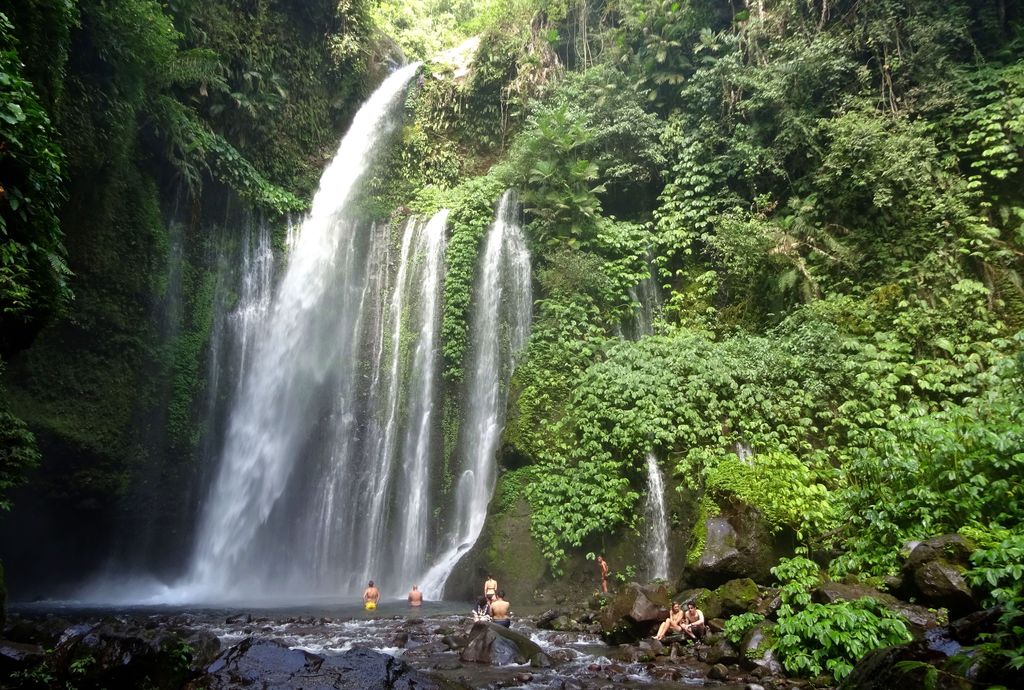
[739, 544]
[756, 643]
[718, 672]
[878, 669]
[241, 618]
[919, 617]
[494, 644]
[633, 613]
[543, 621]
[967, 629]
[18, 656]
[737, 596]
[427, 650]
[400, 640]
[721, 652]
[261, 663]
[933, 574]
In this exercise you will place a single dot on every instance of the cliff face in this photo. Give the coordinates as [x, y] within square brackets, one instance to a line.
[181, 130]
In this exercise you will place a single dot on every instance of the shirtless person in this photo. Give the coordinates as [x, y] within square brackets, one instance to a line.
[674, 622]
[499, 610]
[415, 596]
[490, 587]
[693, 626]
[371, 595]
[603, 567]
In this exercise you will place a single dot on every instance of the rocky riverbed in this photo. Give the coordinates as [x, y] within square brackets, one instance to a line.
[334, 647]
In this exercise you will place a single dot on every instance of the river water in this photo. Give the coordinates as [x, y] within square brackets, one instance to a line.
[331, 627]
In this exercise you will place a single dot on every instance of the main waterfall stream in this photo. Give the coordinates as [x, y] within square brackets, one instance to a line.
[329, 465]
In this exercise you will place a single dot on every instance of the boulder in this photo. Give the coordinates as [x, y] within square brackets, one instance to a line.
[633, 612]
[878, 669]
[718, 672]
[18, 656]
[706, 600]
[720, 652]
[933, 574]
[263, 663]
[738, 544]
[920, 619]
[497, 645]
[737, 596]
[756, 652]
[111, 655]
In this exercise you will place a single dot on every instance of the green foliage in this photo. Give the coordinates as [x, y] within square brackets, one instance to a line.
[470, 213]
[832, 637]
[18, 455]
[739, 625]
[813, 638]
[33, 272]
[999, 571]
[928, 473]
[782, 487]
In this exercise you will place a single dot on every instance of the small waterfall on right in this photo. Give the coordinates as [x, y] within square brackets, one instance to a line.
[500, 326]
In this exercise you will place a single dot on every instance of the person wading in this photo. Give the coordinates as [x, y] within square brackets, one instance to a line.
[415, 596]
[490, 587]
[499, 610]
[371, 595]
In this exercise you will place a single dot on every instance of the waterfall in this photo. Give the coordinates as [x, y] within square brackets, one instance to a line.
[657, 521]
[500, 326]
[292, 481]
[645, 302]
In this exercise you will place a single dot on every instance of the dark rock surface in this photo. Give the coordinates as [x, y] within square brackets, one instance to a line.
[494, 644]
[263, 663]
[933, 574]
[920, 618]
[634, 612]
[738, 545]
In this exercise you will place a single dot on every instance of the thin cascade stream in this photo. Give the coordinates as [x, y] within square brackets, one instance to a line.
[500, 326]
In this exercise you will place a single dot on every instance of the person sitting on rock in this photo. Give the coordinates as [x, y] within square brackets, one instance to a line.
[499, 610]
[693, 626]
[674, 622]
[482, 612]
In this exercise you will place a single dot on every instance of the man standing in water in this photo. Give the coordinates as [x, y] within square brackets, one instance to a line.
[371, 595]
[499, 610]
[490, 587]
[603, 567]
[415, 596]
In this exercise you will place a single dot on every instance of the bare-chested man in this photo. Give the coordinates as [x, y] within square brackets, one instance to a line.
[490, 587]
[415, 596]
[674, 622]
[693, 626]
[602, 565]
[371, 595]
[499, 610]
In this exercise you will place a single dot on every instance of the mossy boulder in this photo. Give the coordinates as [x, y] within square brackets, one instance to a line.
[633, 612]
[706, 600]
[933, 574]
[738, 543]
[737, 596]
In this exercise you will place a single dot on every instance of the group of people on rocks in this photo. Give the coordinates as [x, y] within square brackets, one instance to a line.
[494, 607]
[690, 623]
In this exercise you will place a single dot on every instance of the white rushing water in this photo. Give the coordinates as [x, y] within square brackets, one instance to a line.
[298, 394]
[657, 522]
[500, 326]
